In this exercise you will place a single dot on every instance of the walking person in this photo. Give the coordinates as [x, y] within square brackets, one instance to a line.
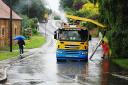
[21, 44]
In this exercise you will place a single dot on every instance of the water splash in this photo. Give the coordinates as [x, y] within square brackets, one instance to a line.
[55, 7]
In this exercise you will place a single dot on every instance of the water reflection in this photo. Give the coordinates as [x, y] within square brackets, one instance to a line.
[71, 71]
[81, 72]
[71, 67]
[105, 72]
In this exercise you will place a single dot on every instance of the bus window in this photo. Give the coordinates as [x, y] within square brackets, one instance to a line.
[83, 35]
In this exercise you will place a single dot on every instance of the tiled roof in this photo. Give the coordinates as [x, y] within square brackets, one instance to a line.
[5, 12]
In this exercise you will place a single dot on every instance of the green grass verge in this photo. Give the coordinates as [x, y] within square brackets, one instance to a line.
[8, 55]
[121, 62]
[35, 42]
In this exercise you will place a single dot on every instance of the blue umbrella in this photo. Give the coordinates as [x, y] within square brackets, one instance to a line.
[19, 37]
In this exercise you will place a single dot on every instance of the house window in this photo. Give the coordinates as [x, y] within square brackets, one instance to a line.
[0, 31]
[3, 31]
[15, 31]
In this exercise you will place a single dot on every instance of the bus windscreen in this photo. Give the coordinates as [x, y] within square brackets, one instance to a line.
[73, 35]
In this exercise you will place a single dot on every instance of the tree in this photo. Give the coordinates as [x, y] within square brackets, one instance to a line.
[114, 14]
[14, 2]
[83, 8]
[89, 10]
[29, 24]
[78, 5]
[31, 8]
[66, 3]
[72, 5]
[93, 1]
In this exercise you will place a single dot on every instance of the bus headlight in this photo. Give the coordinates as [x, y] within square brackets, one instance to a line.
[83, 53]
[59, 52]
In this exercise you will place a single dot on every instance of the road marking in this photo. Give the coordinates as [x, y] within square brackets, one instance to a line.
[120, 76]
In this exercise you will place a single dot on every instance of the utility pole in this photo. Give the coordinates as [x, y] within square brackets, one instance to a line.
[10, 25]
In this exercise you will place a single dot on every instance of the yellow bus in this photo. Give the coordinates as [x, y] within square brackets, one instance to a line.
[72, 43]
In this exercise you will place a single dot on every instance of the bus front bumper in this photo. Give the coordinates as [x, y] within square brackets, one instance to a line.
[72, 54]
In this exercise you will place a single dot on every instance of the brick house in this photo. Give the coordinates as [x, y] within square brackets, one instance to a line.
[5, 25]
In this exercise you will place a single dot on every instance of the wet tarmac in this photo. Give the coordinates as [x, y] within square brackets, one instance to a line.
[41, 68]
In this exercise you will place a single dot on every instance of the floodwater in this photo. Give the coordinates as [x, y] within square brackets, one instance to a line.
[41, 68]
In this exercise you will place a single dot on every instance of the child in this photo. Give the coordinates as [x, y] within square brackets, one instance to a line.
[105, 47]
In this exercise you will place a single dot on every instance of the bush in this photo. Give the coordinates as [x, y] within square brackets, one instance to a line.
[56, 17]
[28, 23]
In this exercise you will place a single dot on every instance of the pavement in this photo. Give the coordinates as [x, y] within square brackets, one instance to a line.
[3, 75]
[5, 64]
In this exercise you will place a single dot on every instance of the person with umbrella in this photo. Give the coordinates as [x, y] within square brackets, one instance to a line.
[21, 43]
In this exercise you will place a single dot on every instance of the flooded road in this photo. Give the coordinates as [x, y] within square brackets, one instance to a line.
[41, 68]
